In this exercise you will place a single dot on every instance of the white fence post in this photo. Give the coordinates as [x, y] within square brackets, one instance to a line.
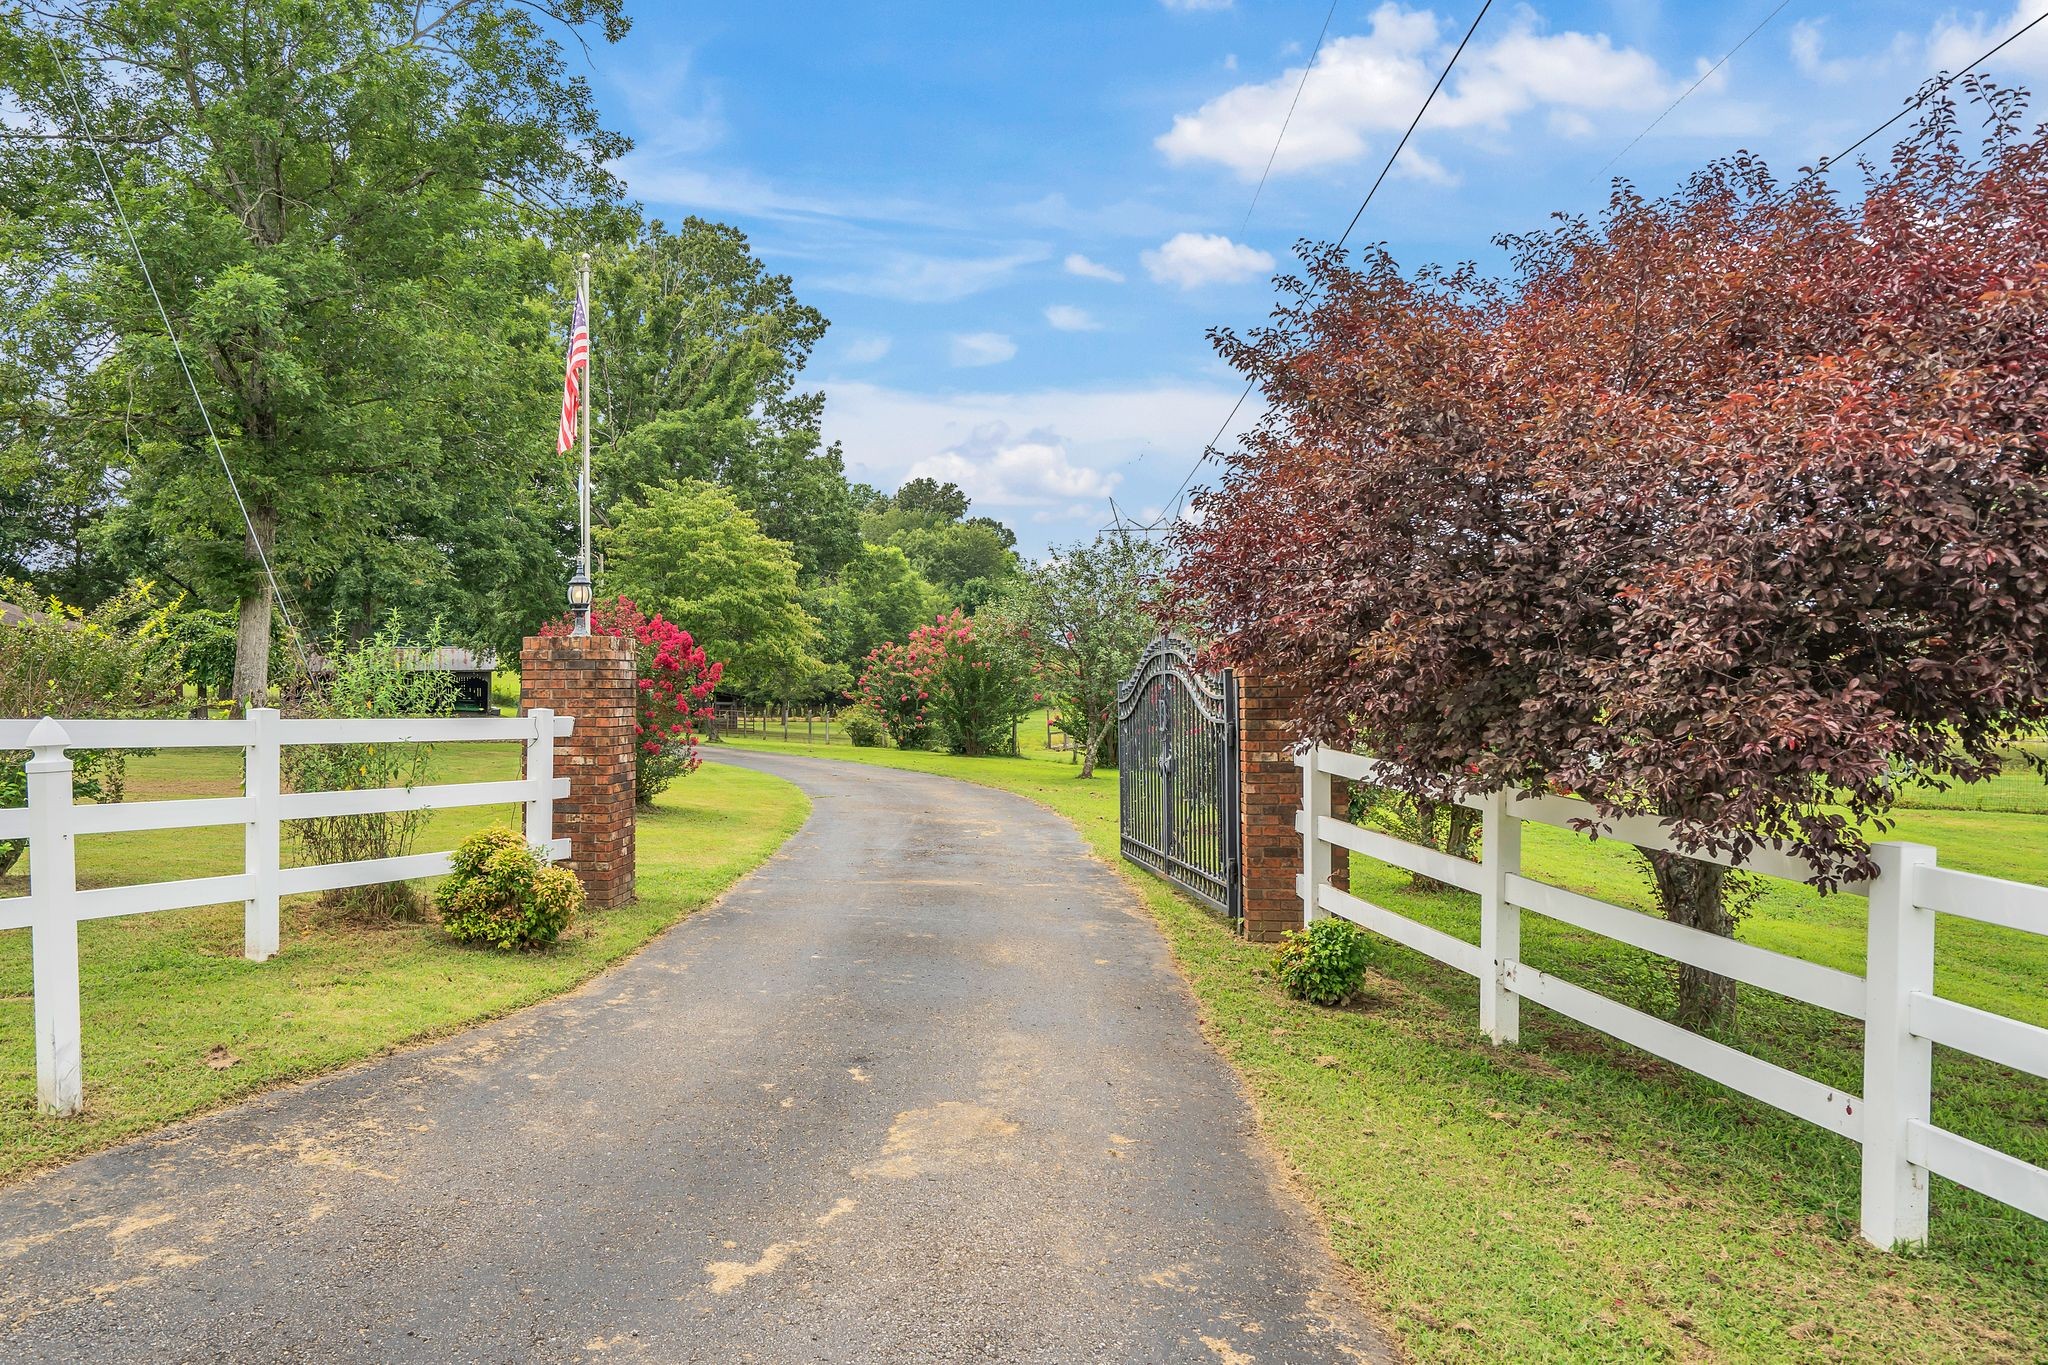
[262, 783]
[53, 950]
[1315, 854]
[540, 775]
[1898, 1068]
[1500, 920]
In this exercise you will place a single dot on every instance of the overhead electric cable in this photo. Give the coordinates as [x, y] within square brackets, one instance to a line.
[1705, 76]
[84, 134]
[1944, 83]
[1167, 516]
[1299, 86]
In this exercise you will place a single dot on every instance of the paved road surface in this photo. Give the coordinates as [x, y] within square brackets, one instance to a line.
[923, 1088]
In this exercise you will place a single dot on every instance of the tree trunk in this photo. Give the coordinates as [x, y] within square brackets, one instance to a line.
[1094, 743]
[252, 631]
[1691, 893]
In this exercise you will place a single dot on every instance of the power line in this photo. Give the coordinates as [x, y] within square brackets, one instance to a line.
[1935, 89]
[177, 349]
[1428, 100]
[1826, 164]
[1705, 76]
[1944, 83]
[1167, 515]
[1299, 86]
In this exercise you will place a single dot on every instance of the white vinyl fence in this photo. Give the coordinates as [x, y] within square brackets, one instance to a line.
[1903, 1017]
[52, 823]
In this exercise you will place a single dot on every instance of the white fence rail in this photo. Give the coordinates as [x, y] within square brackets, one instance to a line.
[1903, 1017]
[52, 824]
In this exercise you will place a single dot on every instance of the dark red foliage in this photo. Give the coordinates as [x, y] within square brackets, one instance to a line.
[1728, 508]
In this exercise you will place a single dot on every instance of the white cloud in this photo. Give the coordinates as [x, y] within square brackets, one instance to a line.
[997, 469]
[1129, 216]
[1197, 6]
[1192, 259]
[1077, 264]
[865, 350]
[1067, 318]
[1951, 43]
[890, 434]
[1955, 42]
[917, 278]
[1370, 84]
[982, 348]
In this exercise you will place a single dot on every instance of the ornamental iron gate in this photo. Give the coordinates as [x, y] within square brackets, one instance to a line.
[1177, 773]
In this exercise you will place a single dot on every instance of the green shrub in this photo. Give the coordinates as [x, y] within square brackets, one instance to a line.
[501, 893]
[863, 728]
[1323, 964]
[58, 660]
[371, 679]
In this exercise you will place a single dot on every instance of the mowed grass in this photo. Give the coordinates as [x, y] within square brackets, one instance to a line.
[161, 992]
[1573, 1199]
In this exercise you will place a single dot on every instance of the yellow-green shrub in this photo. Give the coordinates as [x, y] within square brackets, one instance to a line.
[501, 893]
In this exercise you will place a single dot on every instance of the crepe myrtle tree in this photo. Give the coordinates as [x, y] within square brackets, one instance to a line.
[1727, 508]
[1083, 616]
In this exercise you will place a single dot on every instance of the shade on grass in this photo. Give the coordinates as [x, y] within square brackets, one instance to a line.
[1573, 1199]
[161, 992]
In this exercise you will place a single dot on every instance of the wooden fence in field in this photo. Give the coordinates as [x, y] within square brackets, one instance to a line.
[52, 823]
[1902, 1016]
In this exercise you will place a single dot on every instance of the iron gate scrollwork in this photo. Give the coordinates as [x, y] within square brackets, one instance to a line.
[1177, 773]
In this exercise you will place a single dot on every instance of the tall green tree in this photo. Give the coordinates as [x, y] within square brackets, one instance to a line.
[878, 596]
[691, 552]
[969, 559]
[698, 349]
[331, 196]
[1084, 616]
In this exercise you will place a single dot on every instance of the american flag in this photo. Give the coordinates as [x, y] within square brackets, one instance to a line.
[572, 382]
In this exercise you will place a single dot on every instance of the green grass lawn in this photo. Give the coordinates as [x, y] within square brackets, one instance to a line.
[1573, 1199]
[161, 992]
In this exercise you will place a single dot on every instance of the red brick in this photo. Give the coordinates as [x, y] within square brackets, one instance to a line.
[1270, 796]
[592, 679]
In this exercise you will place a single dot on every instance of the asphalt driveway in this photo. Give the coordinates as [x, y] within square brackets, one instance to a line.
[923, 1088]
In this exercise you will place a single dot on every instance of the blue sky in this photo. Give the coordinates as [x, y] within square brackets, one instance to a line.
[1022, 219]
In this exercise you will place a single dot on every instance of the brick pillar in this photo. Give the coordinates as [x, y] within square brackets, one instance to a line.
[1270, 794]
[593, 679]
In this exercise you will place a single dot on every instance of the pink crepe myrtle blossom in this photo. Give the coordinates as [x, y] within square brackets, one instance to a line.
[672, 669]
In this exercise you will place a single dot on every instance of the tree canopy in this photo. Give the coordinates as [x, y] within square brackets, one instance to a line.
[878, 596]
[337, 203]
[700, 352]
[1728, 508]
[363, 220]
[969, 559]
[689, 551]
[1083, 616]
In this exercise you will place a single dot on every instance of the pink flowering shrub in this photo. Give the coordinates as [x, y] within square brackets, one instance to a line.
[675, 683]
[947, 686]
[895, 683]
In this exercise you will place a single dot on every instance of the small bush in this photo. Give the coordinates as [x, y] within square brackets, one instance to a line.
[1323, 964]
[370, 680]
[501, 893]
[58, 660]
[864, 729]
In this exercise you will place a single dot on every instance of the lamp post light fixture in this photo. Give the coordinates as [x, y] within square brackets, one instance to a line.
[579, 601]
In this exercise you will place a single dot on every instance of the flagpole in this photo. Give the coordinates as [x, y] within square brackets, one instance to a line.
[583, 487]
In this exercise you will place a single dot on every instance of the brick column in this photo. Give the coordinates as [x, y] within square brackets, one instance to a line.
[1270, 794]
[592, 679]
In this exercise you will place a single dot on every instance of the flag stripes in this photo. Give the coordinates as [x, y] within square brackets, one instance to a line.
[573, 380]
